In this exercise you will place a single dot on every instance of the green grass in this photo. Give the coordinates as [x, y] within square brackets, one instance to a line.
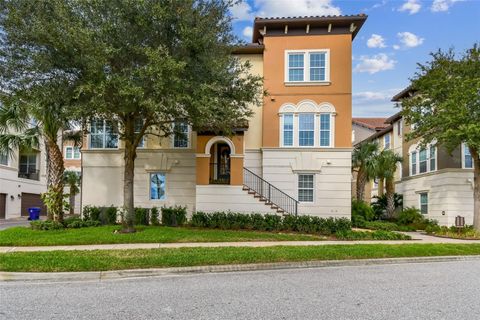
[58, 261]
[21, 236]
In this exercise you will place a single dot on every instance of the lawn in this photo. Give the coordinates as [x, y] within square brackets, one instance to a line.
[21, 236]
[57, 261]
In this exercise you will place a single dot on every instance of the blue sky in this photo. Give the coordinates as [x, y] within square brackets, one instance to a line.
[396, 35]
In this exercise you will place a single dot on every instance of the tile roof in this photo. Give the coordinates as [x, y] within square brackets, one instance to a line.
[371, 123]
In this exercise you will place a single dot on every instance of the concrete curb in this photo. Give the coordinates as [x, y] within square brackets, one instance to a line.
[146, 273]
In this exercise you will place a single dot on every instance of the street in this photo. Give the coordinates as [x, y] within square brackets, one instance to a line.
[447, 290]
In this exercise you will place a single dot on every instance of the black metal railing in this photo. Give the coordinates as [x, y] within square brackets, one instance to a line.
[219, 174]
[271, 194]
[30, 174]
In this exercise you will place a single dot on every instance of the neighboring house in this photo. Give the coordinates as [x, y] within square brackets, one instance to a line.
[362, 128]
[73, 162]
[431, 179]
[293, 157]
[22, 180]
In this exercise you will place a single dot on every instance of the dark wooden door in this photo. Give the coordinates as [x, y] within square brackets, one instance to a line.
[32, 200]
[3, 205]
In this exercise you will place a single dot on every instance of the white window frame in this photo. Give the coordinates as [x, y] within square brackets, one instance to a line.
[104, 137]
[314, 129]
[150, 186]
[6, 156]
[282, 130]
[400, 127]
[313, 186]
[464, 146]
[417, 150]
[330, 136]
[141, 143]
[189, 140]
[73, 153]
[28, 155]
[306, 66]
[385, 147]
[420, 202]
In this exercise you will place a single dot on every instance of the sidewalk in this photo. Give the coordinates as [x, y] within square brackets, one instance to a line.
[417, 238]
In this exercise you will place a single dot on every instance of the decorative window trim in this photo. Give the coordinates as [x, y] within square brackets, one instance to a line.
[307, 107]
[189, 139]
[306, 66]
[416, 149]
[73, 153]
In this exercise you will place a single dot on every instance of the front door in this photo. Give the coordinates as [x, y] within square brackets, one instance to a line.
[3, 205]
[223, 163]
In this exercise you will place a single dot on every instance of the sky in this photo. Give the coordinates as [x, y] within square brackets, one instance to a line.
[397, 35]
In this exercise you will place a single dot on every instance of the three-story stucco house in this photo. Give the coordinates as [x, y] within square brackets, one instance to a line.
[294, 156]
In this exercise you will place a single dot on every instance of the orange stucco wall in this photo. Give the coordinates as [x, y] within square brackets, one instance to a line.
[338, 92]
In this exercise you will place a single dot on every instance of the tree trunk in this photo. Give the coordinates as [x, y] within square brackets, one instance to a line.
[380, 187]
[390, 194]
[55, 186]
[361, 182]
[476, 188]
[72, 202]
[129, 173]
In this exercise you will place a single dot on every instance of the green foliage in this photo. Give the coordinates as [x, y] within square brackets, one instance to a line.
[290, 223]
[468, 232]
[76, 222]
[361, 212]
[154, 217]
[92, 213]
[388, 226]
[379, 206]
[375, 235]
[103, 215]
[364, 164]
[409, 215]
[174, 216]
[46, 225]
[141, 216]
[110, 215]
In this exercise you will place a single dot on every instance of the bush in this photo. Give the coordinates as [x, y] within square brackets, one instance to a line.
[361, 212]
[92, 213]
[110, 215]
[174, 216]
[141, 216]
[154, 217]
[409, 216]
[46, 225]
[269, 222]
[379, 206]
[366, 235]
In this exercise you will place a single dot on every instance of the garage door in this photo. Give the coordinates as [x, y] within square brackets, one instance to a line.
[32, 200]
[3, 205]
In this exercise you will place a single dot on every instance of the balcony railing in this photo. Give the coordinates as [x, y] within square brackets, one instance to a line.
[31, 175]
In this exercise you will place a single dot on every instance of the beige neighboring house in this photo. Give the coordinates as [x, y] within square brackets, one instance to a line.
[362, 128]
[22, 180]
[72, 159]
[438, 183]
[293, 157]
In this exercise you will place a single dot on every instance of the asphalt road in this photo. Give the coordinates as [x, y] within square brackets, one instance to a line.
[447, 290]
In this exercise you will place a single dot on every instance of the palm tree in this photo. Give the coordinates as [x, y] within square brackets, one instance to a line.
[363, 162]
[386, 167]
[23, 126]
[72, 181]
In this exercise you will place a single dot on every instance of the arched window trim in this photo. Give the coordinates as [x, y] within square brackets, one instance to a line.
[307, 107]
[416, 149]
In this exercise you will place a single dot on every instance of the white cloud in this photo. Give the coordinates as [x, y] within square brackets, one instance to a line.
[376, 41]
[242, 11]
[375, 63]
[374, 103]
[442, 5]
[289, 8]
[412, 6]
[247, 32]
[396, 47]
[409, 40]
[370, 96]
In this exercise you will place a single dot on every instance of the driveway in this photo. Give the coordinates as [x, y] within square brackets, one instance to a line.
[5, 224]
[446, 290]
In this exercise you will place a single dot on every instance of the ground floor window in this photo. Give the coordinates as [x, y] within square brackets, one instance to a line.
[3, 159]
[157, 186]
[305, 187]
[424, 203]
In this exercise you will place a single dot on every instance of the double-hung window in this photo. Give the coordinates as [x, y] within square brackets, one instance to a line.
[103, 135]
[413, 161]
[467, 157]
[3, 159]
[422, 157]
[306, 129]
[424, 203]
[180, 135]
[305, 187]
[288, 130]
[307, 66]
[325, 129]
[386, 141]
[72, 152]
[433, 158]
[157, 186]
[138, 129]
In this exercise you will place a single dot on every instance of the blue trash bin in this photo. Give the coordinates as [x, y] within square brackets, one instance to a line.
[33, 213]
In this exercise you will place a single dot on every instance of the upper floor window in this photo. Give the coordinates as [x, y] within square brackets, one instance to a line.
[307, 125]
[467, 159]
[138, 129]
[386, 141]
[28, 167]
[423, 160]
[307, 66]
[103, 135]
[180, 135]
[3, 159]
[399, 127]
[72, 152]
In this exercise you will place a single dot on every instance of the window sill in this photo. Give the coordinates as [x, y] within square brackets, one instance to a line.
[307, 83]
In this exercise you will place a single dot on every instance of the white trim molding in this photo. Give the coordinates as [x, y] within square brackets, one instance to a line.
[216, 139]
[306, 67]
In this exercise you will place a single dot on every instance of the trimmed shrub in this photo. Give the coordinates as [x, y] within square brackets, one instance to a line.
[366, 235]
[110, 215]
[91, 213]
[46, 225]
[361, 212]
[141, 216]
[174, 216]
[154, 217]
[409, 216]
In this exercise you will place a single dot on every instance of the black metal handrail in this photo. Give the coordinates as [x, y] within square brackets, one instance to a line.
[268, 192]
